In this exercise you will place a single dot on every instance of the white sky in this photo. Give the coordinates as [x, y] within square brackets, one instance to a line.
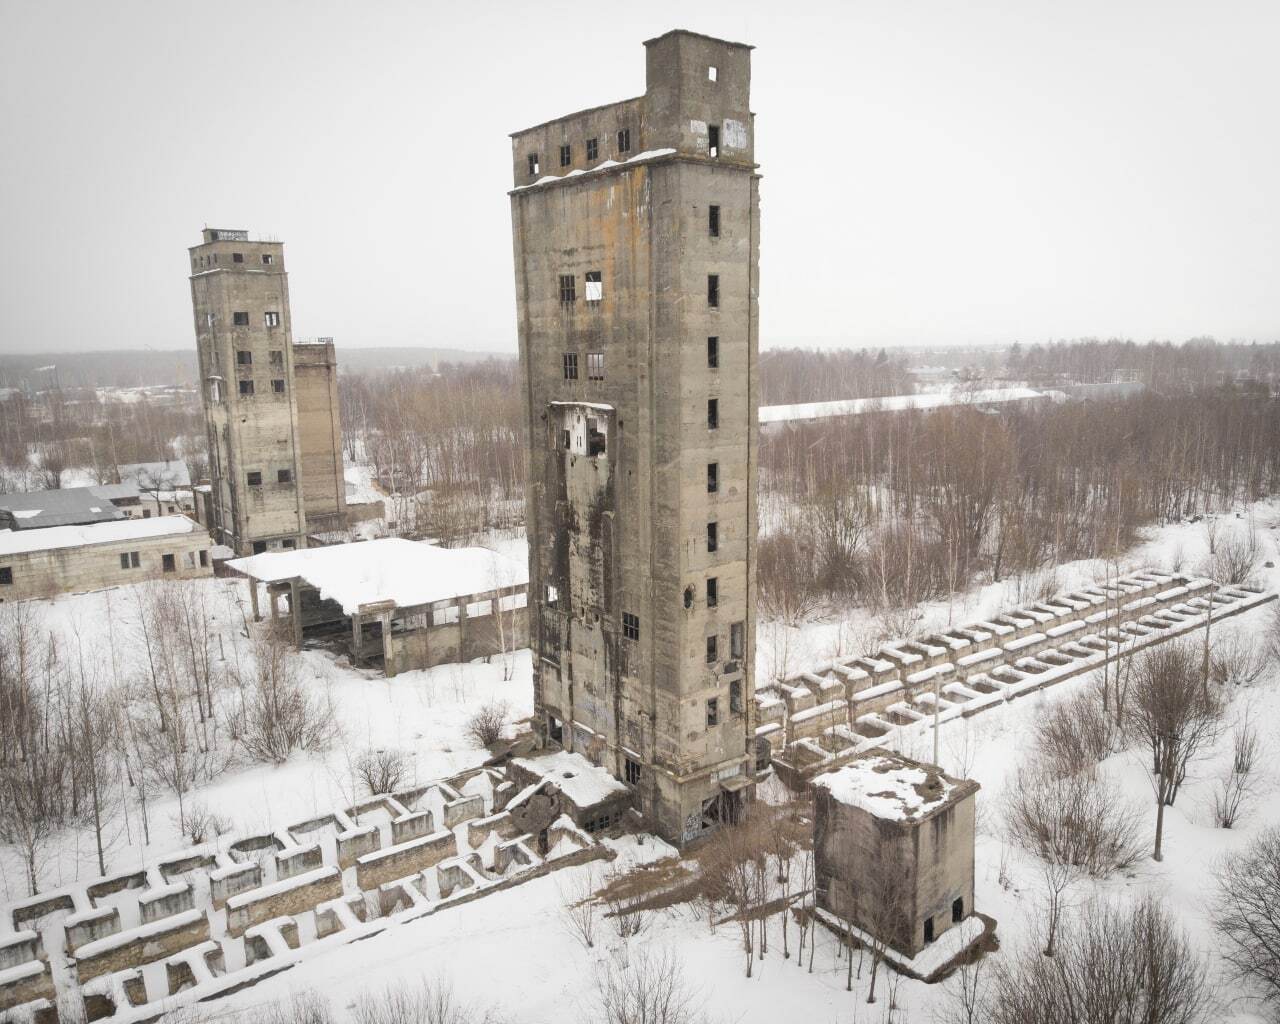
[934, 171]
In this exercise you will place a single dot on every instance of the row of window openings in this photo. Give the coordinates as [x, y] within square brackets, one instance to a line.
[247, 389]
[631, 631]
[259, 546]
[244, 357]
[593, 151]
[283, 476]
[133, 560]
[595, 366]
[236, 257]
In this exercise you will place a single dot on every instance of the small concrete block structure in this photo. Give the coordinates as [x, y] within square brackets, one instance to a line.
[19, 948]
[593, 798]
[395, 862]
[158, 903]
[231, 880]
[355, 843]
[88, 926]
[294, 895]
[893, 848]
[25, 983]
[294, 862]
[141, 945]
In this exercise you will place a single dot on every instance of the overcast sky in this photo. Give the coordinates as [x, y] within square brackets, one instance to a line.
[934, 171]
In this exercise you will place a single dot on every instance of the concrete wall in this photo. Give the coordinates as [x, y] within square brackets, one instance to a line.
[324, 490]
[295, 896]
[140, 945]
[625, 531]
[39, 574]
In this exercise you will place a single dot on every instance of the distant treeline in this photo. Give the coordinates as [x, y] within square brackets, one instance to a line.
[1162, 365]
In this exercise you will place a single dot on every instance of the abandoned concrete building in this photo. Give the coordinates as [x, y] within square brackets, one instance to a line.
[636, 238]
[70, 506]
[270, 403]
[893, 848]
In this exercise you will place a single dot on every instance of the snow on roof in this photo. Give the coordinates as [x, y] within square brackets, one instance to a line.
[67, 506]
[21, 542]
[892, 787]
[406, 572]
[578, 779]
[603, 165]
[893, 403]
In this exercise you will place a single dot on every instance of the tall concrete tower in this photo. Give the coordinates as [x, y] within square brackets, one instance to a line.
[636, 236]
[240, 294]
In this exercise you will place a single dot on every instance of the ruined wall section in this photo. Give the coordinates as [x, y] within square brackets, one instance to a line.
[324, 490]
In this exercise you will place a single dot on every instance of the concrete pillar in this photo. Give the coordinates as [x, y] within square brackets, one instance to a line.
[253, 599]
[295, 612]
[462, 629]
[274, 597]
[357, 639]
[388, 647]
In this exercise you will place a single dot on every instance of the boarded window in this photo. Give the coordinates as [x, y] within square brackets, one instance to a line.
[593, 148]
[566, 156]
[624, 140]
[215, 391]
[713, 477]
[630, 626]
[595, 366]
[570, 367]
[713, 221]
[713, 353]
[568, 288]
[277, 357]
[713, 290]
[595, 286]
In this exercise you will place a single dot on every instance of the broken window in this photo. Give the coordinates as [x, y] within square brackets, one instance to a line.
[595, 439]
[237, 257]
[254, 478]
[284, 476]
[289, 542]
[570, 367]
[277, 357]
[713, 591]
[713, 353]
[246, 388]
[259, 546]
[713, 413]
[713, 290]
[593, 148]
[713, 140]
[244, 358]
[712, 73]
[595, 366]
[266, 259]
[713, 477]
[566, 155]
[568, 288]
[271, 319]
[632, 772]
[277, 386]
[555, 729]
[688, 596]
[630, 626]
[567, 439]
[240, 319]
[595, 286]
[713, 537]
[736, 634]
[713, 221]
[713, 705]
[735, 697]
[624, 140]
[168, 563]
[957, 910]
[533, 165]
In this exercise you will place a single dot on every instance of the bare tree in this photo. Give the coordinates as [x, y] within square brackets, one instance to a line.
[649, 988]
[382, 770]
[1246, 912]
[1237, 781]
[488, 722]
[283, 715]
[729, 877]
[579, 910]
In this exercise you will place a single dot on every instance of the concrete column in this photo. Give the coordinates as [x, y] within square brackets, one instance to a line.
[274, 597]
[388, 647]
[357, 639]
[295, 612]
[253, 599]
[462, 629]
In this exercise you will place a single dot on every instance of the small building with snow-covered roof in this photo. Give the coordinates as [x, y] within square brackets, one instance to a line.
[894, 848]
[589, 794]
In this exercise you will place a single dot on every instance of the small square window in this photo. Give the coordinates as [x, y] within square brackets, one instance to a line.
[6, 575]
[259, 546]
[713, 353]
[713, 221]
[254, 478]
[288, 543]
[713, 537]
[713, 705]
[712, 73]
[246, 388]
[284, 476]
[632, 770]
[277, 357]
[595, 366]
[570, 367]
[736, 644]
[146, 513]
[595, 286]
[566, 155]
[237, 257]
[533, 165]
[271, 319]
[713, 592]
[244, 357]
[713, 290]
[630, 626]
[277, 385]
[624, 140]
[593, 148]
[240, 319]
[266, 259]
[713, 413]
[568, 288]
[735, 697]
[713, 477]
[167, 563]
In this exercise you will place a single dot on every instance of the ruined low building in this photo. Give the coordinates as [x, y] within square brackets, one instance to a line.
[894, 848]
[69, 506]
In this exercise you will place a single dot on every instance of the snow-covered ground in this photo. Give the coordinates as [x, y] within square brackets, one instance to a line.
[513, 952]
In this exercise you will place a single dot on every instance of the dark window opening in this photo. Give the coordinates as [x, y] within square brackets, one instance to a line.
[571, 366]
[254, 478]
[735, 697]
[204, 558]
[713, 705]
[277, 386]
[688, 596]
[277, 357]
[713, 477]
[713, 592]
[566, 156]
[246, 387]
[713, 353]
[713, 140]
[624, 140]
[259, 546]
[237, 257]
[957, 909]
[240, 319]
[713, 413]
[713, 290]
[567, 439]
[271, 319]
[713, 221]
[713, 537]
[630, 626]
[595, 286]
[288, 542]
[555, 730]
[595, 366]
[124, 560]
[596, 444]
[533, 165]
[135, 560]
[632, 771]
[593, 148]
[568, 288]
[6, 574]
[284, 476]
[736, 640]
[168, 563]
[244, 358]
[146, 513]
[928, 929]
[266, 258]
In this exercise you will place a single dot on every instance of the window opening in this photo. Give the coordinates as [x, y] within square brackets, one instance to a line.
[240, 319]
[593, 148]
[713, 537]
[713, 413]
[713, 353]
[533, 165]
[713, 705]
[736, 637]
[630, 626]
[713, 140]
[624, 140]
[713, 477]
[713, 290]
[713, 221]
[568, 289]
[570, 367]
[713, 591]
[566, 155]
[595, 366]
[595, 286]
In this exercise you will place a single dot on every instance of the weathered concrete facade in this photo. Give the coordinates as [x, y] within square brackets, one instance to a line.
[240, 297]
[636, 237]
[324, 490]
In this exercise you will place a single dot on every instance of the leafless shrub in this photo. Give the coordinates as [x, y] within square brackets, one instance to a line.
[486, 725]
[382, 770]
[1238, 659]
[1237, 781]
[648, 988]
[430, 1002]
[1114, 965]
[785, 577]
[625, 909]
[304, 1006]
[1244, 913]
[200, 825]
[580, 912]
[281, 714]
[1235, 557]
[1076, 734]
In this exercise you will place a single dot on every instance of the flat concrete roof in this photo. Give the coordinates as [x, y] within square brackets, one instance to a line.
[404, 572]
[894, 787]
[16, 542]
